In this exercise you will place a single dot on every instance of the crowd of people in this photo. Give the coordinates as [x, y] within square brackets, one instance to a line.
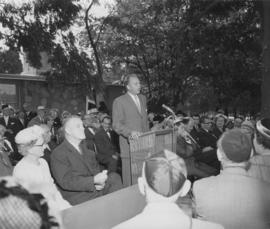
[222, 163]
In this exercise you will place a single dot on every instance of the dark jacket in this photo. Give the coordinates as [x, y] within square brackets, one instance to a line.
[106, 149]
[12, 125]
[74, 172]
[29, 116]
[207, 139]
[90, 139]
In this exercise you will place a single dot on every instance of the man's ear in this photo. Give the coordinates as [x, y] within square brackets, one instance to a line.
[141, 186]
[185, 189]
[128, 87]
[219, 155]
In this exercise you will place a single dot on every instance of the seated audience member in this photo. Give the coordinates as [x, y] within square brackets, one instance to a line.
[233, 198]
[207, 142]
[21, 120]
[6, 167]
[40, 118]
[107, 153]
[157, 123]
[76, 169]
[187, 147]
[54, 113]
[54, 127]
[163, 181]
[29, 114]
[151, 116]
[238, 121]
[32, 171]
[12, 128]
[248, 127]
[92, 125]
[21, 210]
[260, 162]
[219, 125]
[196, 128]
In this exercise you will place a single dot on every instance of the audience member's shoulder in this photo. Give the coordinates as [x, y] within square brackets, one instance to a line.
[119, 98]
[204, 183]
[200, 224]
[60, 149]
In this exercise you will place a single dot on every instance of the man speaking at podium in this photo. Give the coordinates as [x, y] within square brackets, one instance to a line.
[129, 121]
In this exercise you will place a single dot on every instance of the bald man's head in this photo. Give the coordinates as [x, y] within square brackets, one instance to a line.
[74, 128]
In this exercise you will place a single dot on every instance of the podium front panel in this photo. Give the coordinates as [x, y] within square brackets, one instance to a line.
[139, 151]
[146, 145]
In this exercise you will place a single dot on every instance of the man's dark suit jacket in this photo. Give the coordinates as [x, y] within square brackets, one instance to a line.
[216, 132]
[74, 172]
[127, 118]
[12, 125]
[21, 125]
[29, 117]
[207, 139]
[106, 149]
[90, 139]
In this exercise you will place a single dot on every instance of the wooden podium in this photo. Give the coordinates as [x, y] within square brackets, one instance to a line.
[147, 144]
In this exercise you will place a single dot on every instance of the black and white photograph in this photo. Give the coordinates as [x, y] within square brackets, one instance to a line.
[134, 114]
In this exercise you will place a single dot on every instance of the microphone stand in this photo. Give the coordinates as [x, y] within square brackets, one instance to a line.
[173, 133]
[173, 129]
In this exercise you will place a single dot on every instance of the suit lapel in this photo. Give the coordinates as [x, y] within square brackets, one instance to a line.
[77, 154]
[9, 121]
[105, 134]
[134, 104]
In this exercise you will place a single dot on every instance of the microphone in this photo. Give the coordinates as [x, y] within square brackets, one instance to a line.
[167, 108]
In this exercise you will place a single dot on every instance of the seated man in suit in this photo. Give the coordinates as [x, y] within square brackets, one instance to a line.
[233, 198]
[12, 128]
[29, 114]
[91, 125]
[208, 142]
[75, 169]
[163, 181]
[21, 120]
[40, 118]
[107, 154]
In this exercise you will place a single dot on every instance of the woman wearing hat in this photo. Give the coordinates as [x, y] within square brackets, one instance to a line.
[33, 171]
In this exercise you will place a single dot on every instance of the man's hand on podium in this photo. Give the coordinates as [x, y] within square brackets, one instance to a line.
[134, 135]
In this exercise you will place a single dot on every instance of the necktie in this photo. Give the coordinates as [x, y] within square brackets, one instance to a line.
[138, 103]
[109, 134]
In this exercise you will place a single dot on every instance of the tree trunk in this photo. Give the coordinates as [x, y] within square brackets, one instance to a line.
[100, 82]
[265, 88]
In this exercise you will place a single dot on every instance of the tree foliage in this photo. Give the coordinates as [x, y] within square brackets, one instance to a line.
[35, 25]
[10, 62]
[187, 52]
[182, 47]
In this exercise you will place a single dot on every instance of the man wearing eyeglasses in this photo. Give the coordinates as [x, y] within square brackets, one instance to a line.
[208, 142]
